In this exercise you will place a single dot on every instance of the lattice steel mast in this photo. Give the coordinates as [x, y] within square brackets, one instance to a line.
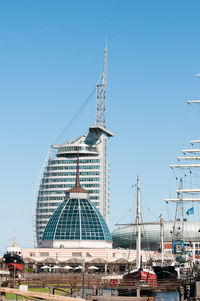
[101, 95]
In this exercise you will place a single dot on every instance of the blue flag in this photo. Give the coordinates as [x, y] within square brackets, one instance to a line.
[190, 211]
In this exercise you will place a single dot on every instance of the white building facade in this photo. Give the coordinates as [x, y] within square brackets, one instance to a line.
[59, 175]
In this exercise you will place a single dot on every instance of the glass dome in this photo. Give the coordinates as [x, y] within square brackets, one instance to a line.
[77, 219]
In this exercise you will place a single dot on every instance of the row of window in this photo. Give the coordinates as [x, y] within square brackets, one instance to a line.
[40, 228]
[44, 254]
[192, 245]
[56, 186]
[45, 210]
[71, 155]
[51, 198]
[45, 192]
[43, 216]
[66, 186]
[67, 180]
[93, 191]
[92, 197]
[53, 161]
[74, 254]
[58, 174]
[41, 223]
[73, 179]
[42, 204]
[84, 237]
[77, 148]
[47, 205]
[72, 167]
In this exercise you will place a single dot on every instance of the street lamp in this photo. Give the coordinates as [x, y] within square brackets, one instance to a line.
[83, 278]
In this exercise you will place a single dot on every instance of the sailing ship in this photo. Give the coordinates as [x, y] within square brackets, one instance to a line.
[185, 245]
[146, 278]
[162, 269]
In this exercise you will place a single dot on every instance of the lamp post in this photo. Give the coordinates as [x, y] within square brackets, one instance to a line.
[83, 278]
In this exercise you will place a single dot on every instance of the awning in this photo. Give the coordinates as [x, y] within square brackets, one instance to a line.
[93, 268]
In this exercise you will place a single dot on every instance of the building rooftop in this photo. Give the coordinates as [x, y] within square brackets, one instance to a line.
[76, 219]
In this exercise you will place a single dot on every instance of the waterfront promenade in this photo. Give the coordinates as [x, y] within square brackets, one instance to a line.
[78, 287]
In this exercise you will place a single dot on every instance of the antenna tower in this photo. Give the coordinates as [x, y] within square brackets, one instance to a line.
[101, 95]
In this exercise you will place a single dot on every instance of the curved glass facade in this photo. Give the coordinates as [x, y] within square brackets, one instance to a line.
[150, 235]
[59, 174]
[77, 219]
[65, 149]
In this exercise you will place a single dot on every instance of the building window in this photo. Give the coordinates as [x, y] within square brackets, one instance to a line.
[76, 254]
[44, 254]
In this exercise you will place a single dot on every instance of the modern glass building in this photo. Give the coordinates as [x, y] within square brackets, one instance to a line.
[60, 172]
[125, 237]
[76, 223]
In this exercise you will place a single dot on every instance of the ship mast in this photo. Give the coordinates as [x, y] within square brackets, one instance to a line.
[14, 242]
[138, 244]
[138, 224]
[162, 238]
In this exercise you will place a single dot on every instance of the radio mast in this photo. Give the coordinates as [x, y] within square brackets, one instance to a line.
[101, 95]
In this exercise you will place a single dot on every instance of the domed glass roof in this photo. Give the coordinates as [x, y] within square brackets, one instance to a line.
[77, 219]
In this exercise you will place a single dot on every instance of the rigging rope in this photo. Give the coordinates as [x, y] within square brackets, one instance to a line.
[167, 211]
[133, 231]
[143, 230]
[152, 213]
[124, 216]
[186, 127]
[75, 115]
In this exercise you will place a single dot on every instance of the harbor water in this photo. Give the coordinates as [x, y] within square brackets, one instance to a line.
[160, 296]
[167, 296]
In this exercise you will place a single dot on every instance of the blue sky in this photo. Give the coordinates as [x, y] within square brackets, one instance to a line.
[51, 56]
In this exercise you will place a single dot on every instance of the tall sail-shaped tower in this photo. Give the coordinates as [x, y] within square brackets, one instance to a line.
[59, 172]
